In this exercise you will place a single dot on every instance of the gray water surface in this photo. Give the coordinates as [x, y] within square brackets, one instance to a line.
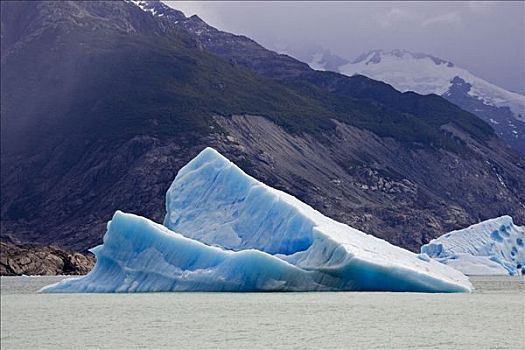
[493, 317]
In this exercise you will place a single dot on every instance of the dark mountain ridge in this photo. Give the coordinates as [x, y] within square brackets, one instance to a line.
[244, 51]
[102, 103]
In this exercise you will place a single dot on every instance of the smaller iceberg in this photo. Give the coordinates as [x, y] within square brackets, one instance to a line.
[139, 255]
[492, 247]
[226, 231]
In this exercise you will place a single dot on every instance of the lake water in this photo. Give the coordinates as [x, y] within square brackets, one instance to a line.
[493, 317]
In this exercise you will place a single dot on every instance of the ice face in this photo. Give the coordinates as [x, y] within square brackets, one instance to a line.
[215, 202]
[139, 255]
[492, 247]
[225, 231]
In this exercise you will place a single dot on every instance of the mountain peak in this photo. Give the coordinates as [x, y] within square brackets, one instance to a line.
[159, 9]
[377, 55]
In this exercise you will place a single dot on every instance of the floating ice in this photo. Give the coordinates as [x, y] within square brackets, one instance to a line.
[225, 231]
[492, 247]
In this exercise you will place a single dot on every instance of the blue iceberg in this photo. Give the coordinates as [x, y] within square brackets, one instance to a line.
[226, 231]
[491, 247]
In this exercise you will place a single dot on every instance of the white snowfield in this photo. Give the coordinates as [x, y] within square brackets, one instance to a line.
[492, 247]
[226, 231]
[425, 74]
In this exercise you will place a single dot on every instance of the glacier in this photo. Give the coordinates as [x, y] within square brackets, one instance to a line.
[226, 231]
[492, 247]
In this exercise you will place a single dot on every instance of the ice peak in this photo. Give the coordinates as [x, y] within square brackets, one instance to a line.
[209, 155]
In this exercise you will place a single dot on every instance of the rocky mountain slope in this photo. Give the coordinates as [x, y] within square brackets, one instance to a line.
[103, 102]
[425, 74]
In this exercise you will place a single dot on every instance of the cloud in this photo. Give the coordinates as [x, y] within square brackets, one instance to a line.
[397, 16]
[446, 18]
[481, 6]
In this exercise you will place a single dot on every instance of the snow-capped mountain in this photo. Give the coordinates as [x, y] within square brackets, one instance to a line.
[325, 60]
[193, 24]
[316, 56]
[426, 74]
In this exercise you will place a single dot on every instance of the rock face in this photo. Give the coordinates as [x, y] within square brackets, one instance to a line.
[16, 260]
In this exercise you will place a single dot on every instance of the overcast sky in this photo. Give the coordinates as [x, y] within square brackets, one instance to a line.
[487, 38]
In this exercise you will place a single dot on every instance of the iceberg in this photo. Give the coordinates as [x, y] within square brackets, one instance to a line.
[492, 247]
[226, 231]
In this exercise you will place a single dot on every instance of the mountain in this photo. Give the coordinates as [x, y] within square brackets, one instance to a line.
[103, 102]
[425, 74]
[316, 56]
[324, 60]
[345, 94]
